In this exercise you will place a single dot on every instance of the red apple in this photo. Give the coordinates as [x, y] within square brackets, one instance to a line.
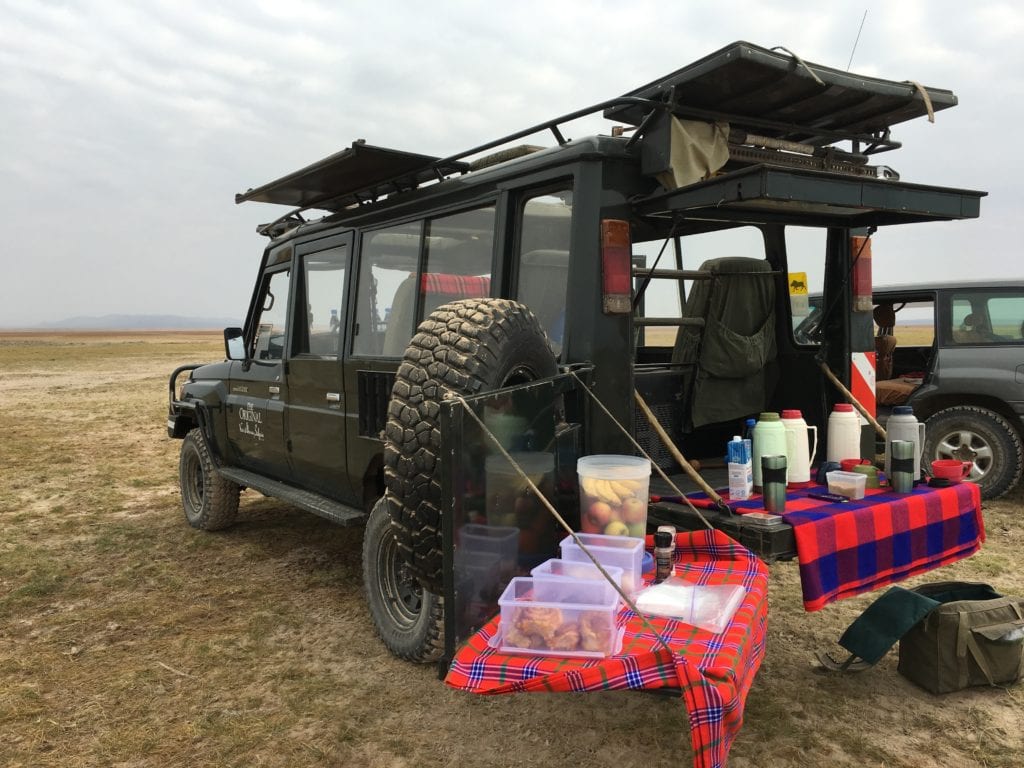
[599, 514]
[633, 510]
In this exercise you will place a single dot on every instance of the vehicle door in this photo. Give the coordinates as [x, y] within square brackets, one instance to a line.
[981, 349]
[257, 391]
[317, 403]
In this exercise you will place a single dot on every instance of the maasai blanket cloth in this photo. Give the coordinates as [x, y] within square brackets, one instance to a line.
[713, 671]
[853, 547]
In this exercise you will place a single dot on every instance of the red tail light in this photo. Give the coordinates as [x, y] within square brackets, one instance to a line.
[616, 267]
[861, 248]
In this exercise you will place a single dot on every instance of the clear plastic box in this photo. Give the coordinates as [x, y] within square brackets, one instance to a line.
[623, 552]
[848, 484]
[705, 606]
[572, 570]
[539, 618]
[614, 491]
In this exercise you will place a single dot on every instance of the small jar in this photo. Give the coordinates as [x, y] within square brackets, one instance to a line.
[664, 554]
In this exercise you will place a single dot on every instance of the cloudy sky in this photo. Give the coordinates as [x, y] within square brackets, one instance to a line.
[127, 128]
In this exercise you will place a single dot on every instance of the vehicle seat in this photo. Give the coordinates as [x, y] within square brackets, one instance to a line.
[543, 280]
[438, 288]
[885, 342]
[734, 352]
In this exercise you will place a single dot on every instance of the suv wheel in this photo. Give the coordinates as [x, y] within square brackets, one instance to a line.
[969, 433]
[465, 347]
[408, 618]
[210, 502]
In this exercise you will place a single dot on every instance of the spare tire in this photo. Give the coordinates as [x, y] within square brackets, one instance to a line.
[465, 347]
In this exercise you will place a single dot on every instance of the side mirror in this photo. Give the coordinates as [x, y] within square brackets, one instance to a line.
[234, 344]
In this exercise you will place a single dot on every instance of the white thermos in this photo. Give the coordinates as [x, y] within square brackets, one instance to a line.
[798, 458]
[843, 433]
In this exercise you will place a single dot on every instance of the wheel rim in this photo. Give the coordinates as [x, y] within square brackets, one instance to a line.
[194, 485]
[967, 445]
[402, 595]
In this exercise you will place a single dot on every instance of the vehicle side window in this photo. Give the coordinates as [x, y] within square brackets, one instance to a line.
[323, 295]
[987, 319]
[394, 296]
[1007, 315]
[544, 232]
[272, 320]
[387, 262]
[459, 249]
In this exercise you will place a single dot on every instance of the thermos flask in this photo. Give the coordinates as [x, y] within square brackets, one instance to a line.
[773, 478]
[901, 476]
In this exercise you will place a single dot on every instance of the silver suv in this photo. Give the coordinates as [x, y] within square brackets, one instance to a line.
[955, 353]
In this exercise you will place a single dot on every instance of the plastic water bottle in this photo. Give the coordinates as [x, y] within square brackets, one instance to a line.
[903, 425]
[843, 433]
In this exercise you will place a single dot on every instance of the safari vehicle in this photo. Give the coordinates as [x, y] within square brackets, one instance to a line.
[654, 259]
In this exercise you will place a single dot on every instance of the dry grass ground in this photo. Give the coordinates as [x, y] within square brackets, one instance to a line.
[129, 639]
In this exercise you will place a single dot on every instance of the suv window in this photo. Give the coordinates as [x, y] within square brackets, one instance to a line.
[544, 233]
[667, 297]
[388, 258]
[391, 301]
[323, 293]
[272, 323]
[983, 318]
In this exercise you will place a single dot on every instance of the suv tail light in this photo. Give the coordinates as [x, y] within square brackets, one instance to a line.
[861, 247]
[616, 267]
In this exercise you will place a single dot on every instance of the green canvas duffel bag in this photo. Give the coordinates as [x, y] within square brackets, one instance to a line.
[974, 637]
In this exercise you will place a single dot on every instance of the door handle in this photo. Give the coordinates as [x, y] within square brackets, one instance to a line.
[333, 397]
[274, 389]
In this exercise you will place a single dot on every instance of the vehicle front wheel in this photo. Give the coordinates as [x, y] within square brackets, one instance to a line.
[971, 433]
[408, 618]
[210, 502]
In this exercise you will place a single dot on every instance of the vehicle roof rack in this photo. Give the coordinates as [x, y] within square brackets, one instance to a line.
[359, 174]
[784, 99]
[779, 94]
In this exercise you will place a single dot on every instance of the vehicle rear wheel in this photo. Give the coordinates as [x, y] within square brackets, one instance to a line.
[408, 618]
[465, 347]
[970, 433]
[210, 502]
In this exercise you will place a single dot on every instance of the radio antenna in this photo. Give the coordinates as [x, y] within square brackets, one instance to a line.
[859, 29]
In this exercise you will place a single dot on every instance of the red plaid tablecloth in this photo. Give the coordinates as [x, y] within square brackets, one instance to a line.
[850, 548]
[713, 671]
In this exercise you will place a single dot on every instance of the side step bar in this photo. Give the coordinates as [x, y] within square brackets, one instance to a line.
[335, 511]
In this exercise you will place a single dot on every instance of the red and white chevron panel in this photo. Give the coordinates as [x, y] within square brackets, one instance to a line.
[862, 381]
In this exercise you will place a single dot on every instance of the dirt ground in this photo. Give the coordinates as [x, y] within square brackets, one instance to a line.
[129, 639]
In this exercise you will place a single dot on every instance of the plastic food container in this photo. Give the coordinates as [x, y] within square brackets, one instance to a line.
[569, 569]
[510, 501]
[708, 607]
[614, 491]
[558, 617]
[623, 552]
[848, 484]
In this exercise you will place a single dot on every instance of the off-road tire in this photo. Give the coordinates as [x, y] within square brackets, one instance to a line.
[465, 347]
[971, 433]
[408, 618]
[210, 502]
